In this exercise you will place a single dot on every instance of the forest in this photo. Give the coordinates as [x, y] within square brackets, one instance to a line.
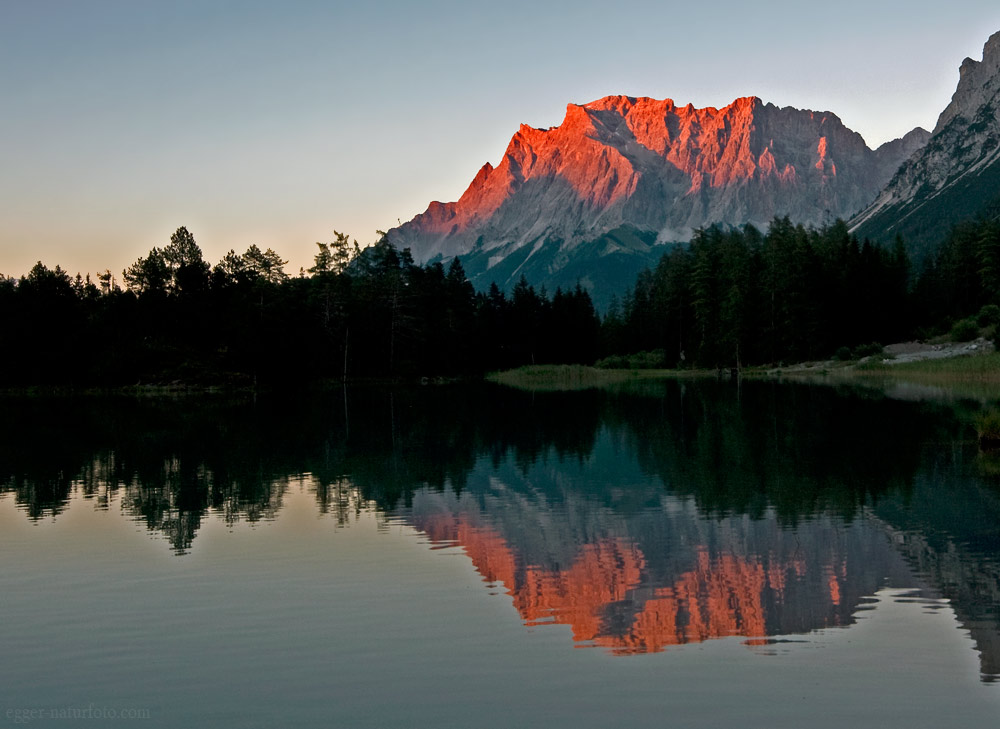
[355, 314]
[729, 298]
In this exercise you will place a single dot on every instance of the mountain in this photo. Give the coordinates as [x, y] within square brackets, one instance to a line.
[590, 200]
[955, 176]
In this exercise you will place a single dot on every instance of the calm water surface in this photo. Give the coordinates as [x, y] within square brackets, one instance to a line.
[684, 554]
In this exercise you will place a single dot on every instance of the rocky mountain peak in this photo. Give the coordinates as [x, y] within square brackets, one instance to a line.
[652, 167]
[978, 85]
[956, 175]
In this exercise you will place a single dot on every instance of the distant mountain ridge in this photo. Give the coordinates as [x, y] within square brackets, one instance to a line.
[590, 199]
[956, 175]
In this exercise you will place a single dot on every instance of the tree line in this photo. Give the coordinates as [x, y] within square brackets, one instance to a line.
[734, 297]
[357, 313]
[729, 298]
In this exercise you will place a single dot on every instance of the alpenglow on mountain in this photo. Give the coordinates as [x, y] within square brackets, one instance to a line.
[956, 176]
[589, 200]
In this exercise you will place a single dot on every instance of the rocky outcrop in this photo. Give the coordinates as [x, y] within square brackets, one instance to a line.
[956, 175]
[658, 171]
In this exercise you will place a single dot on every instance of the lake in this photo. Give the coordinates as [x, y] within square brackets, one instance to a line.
[691, 554]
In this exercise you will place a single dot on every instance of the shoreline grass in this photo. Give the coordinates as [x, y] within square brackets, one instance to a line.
[582, 377]
[981, 372]
[983, 369]
[973, 376]
[558, 377]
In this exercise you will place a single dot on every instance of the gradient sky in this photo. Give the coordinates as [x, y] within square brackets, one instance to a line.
[276, 123]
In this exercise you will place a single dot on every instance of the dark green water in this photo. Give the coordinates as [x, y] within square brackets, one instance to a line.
[761, 556]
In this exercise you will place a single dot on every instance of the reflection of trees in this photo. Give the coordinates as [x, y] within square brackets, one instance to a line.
[774, 458]
[800, 450]
[169, 462]
[340, 499]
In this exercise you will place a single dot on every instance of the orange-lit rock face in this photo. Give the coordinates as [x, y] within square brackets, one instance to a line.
[657, 166]
[607, 598]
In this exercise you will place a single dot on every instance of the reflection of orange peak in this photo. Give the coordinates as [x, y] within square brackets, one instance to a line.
[721, 596]
[602, 574]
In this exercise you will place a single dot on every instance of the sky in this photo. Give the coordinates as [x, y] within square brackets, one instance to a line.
[275, 124]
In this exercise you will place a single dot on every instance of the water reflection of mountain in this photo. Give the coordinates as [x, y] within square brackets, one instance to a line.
[639, 581]
[949, 532]
[640, 518]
